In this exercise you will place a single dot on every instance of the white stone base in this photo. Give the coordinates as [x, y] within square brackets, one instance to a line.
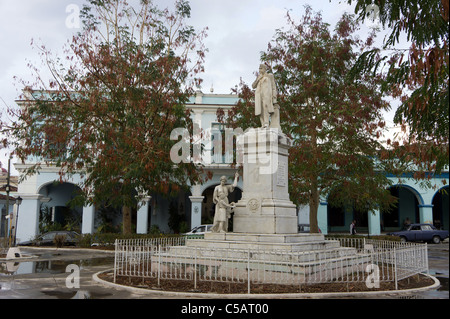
[271, 220]
[265, 207]
[295, 257]
[264, 242]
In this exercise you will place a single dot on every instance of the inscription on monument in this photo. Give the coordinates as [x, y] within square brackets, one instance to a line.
[281, 174]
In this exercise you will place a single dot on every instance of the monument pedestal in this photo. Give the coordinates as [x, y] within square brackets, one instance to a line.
[264, 242]
[265, 207]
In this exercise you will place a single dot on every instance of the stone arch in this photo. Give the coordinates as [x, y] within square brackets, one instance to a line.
[340, 217]
[56, 209]
[406, 211]
[440, 204]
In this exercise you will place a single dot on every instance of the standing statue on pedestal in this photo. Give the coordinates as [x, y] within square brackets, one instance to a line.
[223, 208]
[266, 99]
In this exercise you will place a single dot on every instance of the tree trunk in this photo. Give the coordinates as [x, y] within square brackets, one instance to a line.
[126, 220]
[313, 207]
[314, 190]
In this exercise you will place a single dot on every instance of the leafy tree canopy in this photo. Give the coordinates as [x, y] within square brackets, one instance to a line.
[113, 100]
[335, 121]
[418, 76]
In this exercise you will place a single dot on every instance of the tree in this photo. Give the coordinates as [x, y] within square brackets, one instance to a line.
[335, 123]
[108, 110]
[418, 76]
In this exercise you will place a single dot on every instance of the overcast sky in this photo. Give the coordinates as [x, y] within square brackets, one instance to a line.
[238, 31]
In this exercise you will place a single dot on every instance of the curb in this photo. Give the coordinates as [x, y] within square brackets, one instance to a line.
[95, 277]
[27, 257]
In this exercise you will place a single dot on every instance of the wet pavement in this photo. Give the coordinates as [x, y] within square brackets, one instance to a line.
[438, 264]
[50, 273]
[68, 274]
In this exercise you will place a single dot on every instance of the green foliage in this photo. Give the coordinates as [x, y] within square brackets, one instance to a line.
[418, 76]
[106, 240]
[111, 104]
[72, 221]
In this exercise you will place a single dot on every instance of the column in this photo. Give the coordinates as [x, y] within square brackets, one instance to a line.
[28, 218]
[142, 216]
[426, 214]
[3, 221]
[196, 210]
[322, 217]
[374, 222]
[87, 224]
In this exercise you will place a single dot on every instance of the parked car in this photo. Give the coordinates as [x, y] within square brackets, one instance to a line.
[200, 230]
[48, 239]
[421, 232]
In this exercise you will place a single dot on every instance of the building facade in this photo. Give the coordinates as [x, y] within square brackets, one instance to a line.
[44, 197]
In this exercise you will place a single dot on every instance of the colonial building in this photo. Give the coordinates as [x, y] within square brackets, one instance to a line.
[44, 197]
[8, 186]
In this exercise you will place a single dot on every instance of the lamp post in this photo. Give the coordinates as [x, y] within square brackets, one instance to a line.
[18, 202]
[8, 177]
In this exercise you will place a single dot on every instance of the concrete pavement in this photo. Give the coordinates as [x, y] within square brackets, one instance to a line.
[53, 274]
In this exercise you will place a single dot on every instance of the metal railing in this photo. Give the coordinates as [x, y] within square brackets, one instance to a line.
[356, 260]
[403, 259]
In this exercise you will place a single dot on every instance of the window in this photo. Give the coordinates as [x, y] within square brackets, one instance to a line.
[201, 229]
[49, 236]
[217, 142]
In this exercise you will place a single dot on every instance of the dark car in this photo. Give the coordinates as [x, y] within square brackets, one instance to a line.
[422, 232]
[48, 239]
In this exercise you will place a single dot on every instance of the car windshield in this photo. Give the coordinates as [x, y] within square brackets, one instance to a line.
[48, 236]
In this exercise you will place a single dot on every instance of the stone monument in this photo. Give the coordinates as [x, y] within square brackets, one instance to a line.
[223, 208]
[265, 219]
[265, 207]
[266, 106]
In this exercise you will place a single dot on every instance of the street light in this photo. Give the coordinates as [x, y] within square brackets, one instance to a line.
[18, 202]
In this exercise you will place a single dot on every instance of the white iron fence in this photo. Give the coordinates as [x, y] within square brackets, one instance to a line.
[357, 260]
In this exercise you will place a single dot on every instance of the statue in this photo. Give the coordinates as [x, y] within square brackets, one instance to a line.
[266, 99]
[223, 208]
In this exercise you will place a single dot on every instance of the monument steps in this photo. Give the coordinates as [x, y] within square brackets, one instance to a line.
[289, 248]
[263, 246]
[266, 256]
[331, 263]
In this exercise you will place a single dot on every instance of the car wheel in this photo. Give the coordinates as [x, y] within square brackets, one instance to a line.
[436, 240]
[403, 239]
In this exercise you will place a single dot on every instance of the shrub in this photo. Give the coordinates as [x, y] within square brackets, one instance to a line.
[59, 240]
[108, 239]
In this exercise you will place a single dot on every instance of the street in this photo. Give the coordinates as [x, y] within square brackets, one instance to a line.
[67, 273]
